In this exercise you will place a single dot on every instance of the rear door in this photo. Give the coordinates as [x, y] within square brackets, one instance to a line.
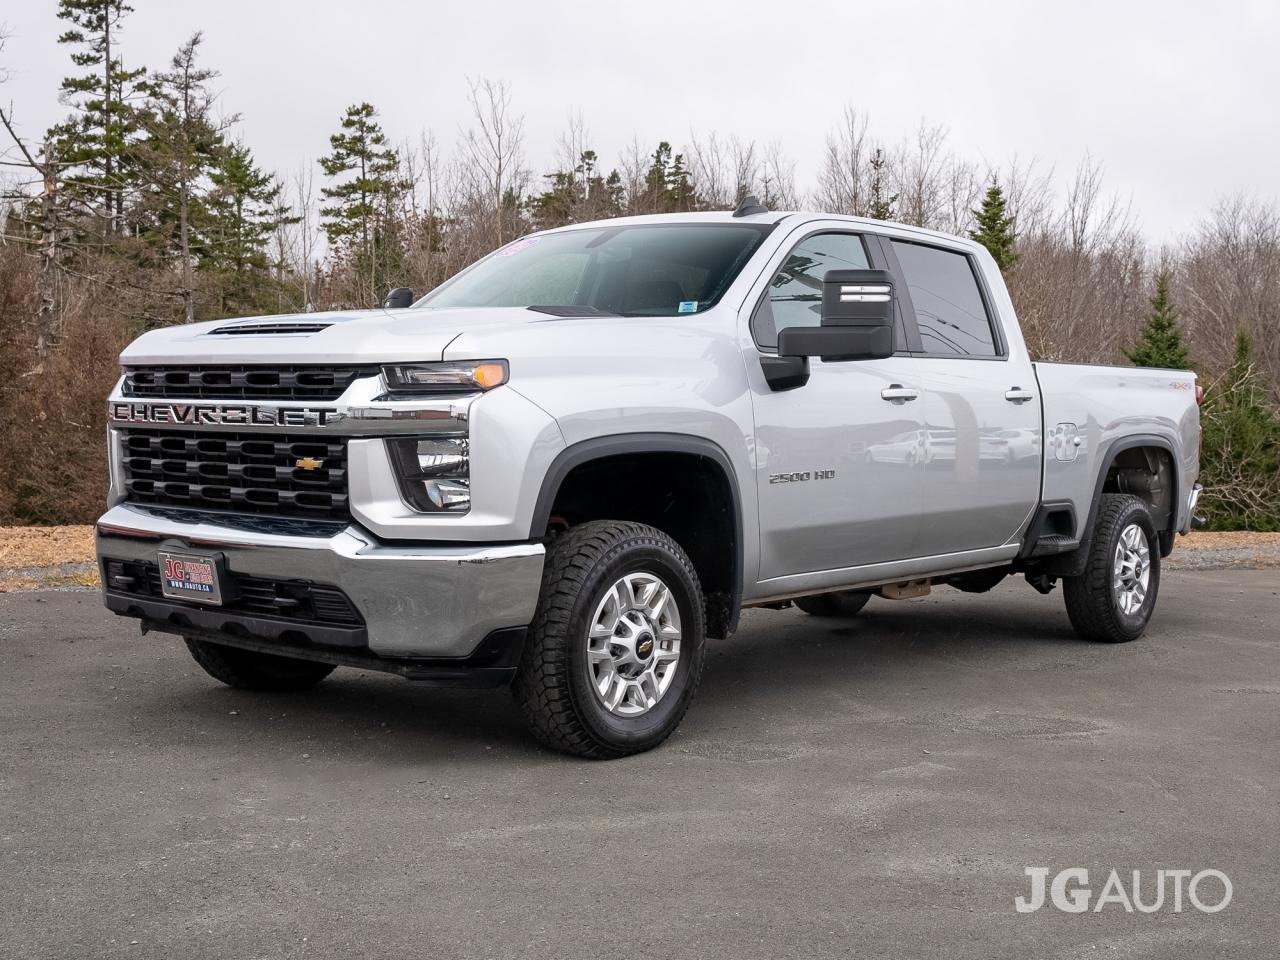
[838, 460]
[980, 404]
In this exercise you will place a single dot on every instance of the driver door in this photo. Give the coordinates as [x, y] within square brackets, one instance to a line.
[840, 460]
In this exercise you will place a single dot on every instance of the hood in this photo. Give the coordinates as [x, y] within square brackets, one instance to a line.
[344, 336]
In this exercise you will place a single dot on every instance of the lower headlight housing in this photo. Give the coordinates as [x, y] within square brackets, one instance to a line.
[434, 472]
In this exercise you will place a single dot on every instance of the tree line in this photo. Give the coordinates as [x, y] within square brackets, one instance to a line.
[145, 207]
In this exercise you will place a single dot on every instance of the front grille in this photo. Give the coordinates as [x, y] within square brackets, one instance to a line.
[243, 382]
[298, 600]
[241, 472]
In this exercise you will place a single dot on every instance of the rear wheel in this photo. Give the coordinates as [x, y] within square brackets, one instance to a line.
[1112, 600]
[250, 670]
[845, 604]
[615, 651]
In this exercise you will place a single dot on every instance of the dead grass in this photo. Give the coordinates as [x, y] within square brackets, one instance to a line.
[1227, 540]
[45, 546]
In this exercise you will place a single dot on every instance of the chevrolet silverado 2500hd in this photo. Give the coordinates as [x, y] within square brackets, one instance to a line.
[572, 463]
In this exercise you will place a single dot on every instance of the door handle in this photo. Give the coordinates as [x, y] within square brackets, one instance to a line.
[897, 393]
[1018, 395]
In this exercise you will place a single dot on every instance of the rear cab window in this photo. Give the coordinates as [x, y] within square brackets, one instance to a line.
[951, 314]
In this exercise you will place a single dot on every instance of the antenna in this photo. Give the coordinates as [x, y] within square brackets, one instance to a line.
[750, 205]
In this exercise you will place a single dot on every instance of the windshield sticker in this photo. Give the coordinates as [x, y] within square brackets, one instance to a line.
[688, 306]
[519, 245]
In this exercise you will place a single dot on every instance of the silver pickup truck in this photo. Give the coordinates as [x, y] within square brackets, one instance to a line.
[571, 464]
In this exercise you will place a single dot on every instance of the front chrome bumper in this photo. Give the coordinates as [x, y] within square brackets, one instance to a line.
[436, 600]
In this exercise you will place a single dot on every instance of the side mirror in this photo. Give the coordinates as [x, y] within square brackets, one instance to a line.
[857, 324]
[398, 299]
[857, 319]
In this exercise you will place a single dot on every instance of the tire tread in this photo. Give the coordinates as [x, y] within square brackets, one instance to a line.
[542, 684]
[1090, 605]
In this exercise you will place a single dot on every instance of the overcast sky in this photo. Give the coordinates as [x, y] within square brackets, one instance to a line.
[1178, 100]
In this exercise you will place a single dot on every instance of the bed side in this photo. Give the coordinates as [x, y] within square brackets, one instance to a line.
[1096, 417]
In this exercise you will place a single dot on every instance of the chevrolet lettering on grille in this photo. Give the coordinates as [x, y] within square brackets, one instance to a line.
[218, 414]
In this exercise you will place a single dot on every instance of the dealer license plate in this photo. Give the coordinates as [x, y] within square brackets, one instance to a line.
[185, 576]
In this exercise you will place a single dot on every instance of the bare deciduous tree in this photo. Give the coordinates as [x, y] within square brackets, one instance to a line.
[1228, 278]
[492, 155]
[844, 179]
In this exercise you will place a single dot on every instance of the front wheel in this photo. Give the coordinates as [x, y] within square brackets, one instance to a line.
[615, 650]
[1112, 600]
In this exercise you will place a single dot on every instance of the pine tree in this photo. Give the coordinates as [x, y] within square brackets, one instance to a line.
[654, 199]
[681, 195]
[668, 186]
[243, 211]
[182, 144]
[881, 207]
[361, 220]
[95, 141]
[1160, 343]
[995, 227]
[1240, 464]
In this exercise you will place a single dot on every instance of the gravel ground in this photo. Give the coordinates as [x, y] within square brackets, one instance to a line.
[870, 788]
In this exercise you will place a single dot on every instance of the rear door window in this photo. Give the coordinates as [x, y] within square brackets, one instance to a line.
[950, 312]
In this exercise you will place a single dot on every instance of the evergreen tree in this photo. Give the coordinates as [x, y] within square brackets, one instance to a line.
[995, 227]
[243, 211]
[1160, 344]
[1240, 464]
[881, 207]
[668, 187]
[577, 195]
[681, 195]
[361, 222]
[182, 144]
[95, 141]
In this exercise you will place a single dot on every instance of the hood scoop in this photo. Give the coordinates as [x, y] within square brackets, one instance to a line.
[268, 329]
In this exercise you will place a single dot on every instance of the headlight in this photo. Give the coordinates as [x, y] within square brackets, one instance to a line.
[464, 376]
[434, 472]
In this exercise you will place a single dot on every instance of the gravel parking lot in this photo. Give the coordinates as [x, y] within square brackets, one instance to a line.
[871, 788]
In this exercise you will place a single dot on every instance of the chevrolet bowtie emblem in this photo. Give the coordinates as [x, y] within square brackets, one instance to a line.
[308, 463]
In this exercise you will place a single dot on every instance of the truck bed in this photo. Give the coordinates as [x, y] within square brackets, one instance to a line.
[1090, 409]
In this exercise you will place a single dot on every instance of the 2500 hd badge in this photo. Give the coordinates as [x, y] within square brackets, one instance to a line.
[220, 414]
[802, 477]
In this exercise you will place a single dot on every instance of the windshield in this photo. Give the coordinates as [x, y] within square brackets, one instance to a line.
[639, 271]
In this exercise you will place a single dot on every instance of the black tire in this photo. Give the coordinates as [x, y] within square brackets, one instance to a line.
[553, 685]
[845, 604]
[1092, 605]
[249, 670]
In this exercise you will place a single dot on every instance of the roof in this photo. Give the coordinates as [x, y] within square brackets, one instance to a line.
[772, 217]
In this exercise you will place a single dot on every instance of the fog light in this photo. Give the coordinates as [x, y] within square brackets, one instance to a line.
[443, 456]
[434, 472]
[449, 494]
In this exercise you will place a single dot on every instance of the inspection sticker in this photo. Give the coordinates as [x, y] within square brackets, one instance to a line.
[519, 245]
